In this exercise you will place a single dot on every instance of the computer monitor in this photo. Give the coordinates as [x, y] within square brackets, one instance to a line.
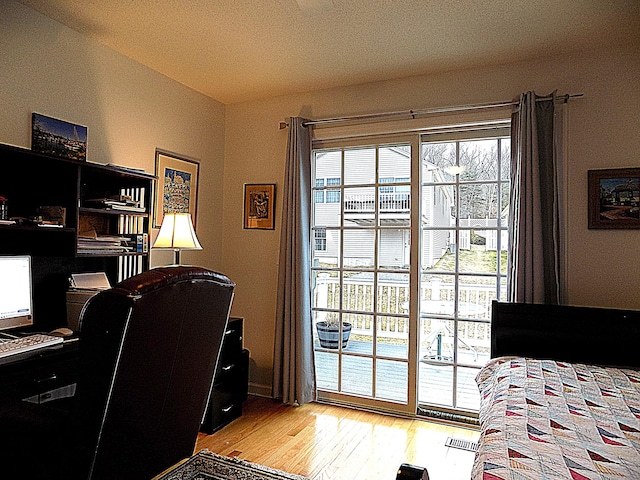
[16, 298]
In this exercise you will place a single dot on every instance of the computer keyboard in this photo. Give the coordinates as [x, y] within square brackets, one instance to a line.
[27, 344]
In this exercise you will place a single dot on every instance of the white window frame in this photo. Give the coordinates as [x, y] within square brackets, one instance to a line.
[414, 137]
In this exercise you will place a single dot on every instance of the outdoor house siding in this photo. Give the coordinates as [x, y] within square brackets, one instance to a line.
[393, 248]
[359, 203]
[437, 201]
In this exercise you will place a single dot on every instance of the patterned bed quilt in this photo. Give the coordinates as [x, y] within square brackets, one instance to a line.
[547, 420]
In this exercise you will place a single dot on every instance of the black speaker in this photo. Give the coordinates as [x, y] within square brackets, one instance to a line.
[412, 472]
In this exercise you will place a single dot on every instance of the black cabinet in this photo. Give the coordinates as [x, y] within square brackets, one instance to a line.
[230, 382]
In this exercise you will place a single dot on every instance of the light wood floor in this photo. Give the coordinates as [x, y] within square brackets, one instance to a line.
[325, 442]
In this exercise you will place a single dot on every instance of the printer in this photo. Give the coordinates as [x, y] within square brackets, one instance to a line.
[82, 286]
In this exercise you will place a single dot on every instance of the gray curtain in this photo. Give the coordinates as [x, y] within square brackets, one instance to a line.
[534, 230]
[293, 362]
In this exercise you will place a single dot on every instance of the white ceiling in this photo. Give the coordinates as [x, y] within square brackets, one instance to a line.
[240, 50]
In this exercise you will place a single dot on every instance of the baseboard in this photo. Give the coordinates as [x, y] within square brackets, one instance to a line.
[260, 390]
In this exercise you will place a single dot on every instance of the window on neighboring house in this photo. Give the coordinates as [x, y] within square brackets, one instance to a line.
[319, 193]
[386, 189]
[333, 195]
[395, 188]
[320, 237]
[402, 191]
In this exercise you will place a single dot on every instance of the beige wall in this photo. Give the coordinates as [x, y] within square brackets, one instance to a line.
[603, 266]
[129, 109]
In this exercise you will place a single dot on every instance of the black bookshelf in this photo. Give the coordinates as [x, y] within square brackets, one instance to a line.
[30, 180]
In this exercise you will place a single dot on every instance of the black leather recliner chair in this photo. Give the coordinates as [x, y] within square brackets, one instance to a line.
[147, 355]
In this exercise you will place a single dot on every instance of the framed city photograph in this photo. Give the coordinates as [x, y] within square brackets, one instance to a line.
[58, 138]
[176, 187]
[614, 198]
[259, 205]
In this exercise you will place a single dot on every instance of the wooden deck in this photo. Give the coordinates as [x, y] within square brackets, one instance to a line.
[435, 386]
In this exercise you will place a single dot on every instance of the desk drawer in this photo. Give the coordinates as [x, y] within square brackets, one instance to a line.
[234, 373]
[232, 342]
[47, 377]
[223, 407]
[37, 375]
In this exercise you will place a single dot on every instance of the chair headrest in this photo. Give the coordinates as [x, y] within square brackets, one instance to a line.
[164, 276]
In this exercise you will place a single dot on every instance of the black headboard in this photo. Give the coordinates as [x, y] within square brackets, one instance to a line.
[599, 336]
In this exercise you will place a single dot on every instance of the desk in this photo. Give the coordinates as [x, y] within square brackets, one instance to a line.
[35, 375]
[31, 379]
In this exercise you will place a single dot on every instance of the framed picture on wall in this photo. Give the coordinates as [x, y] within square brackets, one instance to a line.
[176, 187]
[259, 205]
[58, 138]
[614, 198]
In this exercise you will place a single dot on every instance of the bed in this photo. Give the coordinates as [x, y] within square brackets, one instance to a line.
[560, 398]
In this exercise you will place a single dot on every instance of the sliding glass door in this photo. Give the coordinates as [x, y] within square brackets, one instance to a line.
[408, 250]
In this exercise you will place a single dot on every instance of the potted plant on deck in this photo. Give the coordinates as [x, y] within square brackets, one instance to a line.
[329, 332]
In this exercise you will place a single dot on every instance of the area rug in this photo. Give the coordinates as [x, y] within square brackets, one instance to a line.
[206, 465]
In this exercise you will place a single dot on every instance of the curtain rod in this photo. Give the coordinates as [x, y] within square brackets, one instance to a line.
[429, 111]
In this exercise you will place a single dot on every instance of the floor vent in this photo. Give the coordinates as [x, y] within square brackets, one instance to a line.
[461, 444]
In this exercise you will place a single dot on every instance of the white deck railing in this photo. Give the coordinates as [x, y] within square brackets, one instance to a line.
[366, 202]
[436, 298]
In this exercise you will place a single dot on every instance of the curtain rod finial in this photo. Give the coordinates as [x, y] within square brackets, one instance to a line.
[282, 125]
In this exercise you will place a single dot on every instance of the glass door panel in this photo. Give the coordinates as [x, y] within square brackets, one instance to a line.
[467, 395]
[391, 380]
[361, 263]
[436, 384]
[392, 338]
[357, 375]
[464, 189]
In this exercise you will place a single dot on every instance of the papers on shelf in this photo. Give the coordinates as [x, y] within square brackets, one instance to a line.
[91, 242]
[127, 208]
[120, 202]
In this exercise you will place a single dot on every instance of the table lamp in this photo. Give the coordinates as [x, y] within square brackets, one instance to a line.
[177, 233]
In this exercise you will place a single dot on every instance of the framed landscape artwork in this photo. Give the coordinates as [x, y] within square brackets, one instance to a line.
[259, 205]
[614, 198]
[58, 138]
[176, 187]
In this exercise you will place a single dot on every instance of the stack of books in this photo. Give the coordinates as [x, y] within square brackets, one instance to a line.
[102, 244]
[119, 202]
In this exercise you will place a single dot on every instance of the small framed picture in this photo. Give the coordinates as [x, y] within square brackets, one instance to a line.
[58, 138]
[259, 205]
[614, 198]
[176, 187]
